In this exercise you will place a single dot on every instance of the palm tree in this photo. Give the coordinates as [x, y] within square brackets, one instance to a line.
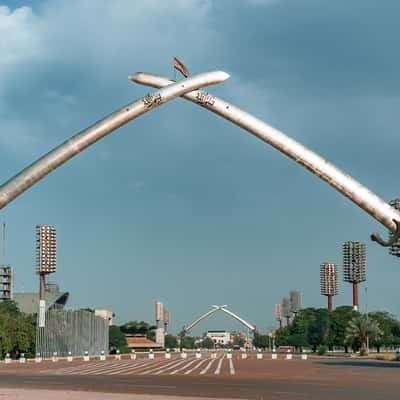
[360, 328]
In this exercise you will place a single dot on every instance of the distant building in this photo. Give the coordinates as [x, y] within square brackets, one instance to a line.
[6, 282]
[105, 314]
[219, 337]
[29, 302]
[140, 341]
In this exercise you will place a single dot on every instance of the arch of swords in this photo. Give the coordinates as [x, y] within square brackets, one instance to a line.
[190, 89]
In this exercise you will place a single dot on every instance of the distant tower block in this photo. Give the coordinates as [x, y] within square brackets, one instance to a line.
[278, 314]
[394, 250]
[167, 318]
[286, 310]
[295, 301]
[45, 254]
[6, 282]
[159, 312]
[354, 266]
[6, 274]
[329, 282]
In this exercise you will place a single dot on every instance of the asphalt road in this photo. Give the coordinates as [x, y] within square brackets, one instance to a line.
[316, 378]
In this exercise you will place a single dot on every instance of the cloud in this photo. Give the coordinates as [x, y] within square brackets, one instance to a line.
[63, 50]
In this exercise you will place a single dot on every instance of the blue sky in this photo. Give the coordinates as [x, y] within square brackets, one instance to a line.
[179, 205]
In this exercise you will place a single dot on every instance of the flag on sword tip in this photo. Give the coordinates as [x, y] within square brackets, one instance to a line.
[181, 67]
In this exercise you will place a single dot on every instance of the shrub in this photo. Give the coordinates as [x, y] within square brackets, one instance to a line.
[322, 350]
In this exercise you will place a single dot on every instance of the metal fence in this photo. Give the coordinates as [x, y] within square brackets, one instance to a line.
[75, 331]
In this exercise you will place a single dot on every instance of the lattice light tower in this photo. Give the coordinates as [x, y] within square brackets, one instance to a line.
[286, 309]
[329, 282]
[46, 250]
[295, 301]
[354, 266]
[278, 314]
[394, 250]
[167, 319]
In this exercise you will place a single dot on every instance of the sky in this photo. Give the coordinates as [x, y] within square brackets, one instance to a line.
[180, 205]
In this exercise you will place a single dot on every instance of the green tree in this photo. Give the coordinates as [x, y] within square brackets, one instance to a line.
[207, 343]
[238, 341]
[282, 337]
[117, 340]
[319, 329]
[17, 330]
[361, 327]
[340, 319]
[260, 341]
[390, 328]
[170, 342]
[188, 342]
[298, 340]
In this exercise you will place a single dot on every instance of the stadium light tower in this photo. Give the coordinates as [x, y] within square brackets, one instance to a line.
[278, 314]
[167, 319]
[286, 309]
[354, 266]
[45, 254]
[329, 282]
[295, 301]
[45, 263]
[394, 249]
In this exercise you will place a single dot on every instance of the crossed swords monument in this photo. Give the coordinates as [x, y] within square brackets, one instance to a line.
[189, 89]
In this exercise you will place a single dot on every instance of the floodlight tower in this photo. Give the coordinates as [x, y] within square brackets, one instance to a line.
[45, 254]
[329, 283]
[286, 310]
[167, 319]
[354, 266]
[278, 314]
[159, 313]
[394, 249]
[295, 301]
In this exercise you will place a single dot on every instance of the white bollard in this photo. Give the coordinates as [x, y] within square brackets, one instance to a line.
[118, 355]
[133, 355]
[274, 356]
[7, 360]
[86, 356]
[102, 356]
[22, 359]
[69, 357]
[304, 356]
[244, 356]
[198, 354]
[213, 355]
[229, 355]
[167, 354]
[289, 355]
[151, 354]
[55, 357]
[259, 356]
[38, 359]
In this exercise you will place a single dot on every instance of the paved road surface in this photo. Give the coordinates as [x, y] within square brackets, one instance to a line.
[217, 378]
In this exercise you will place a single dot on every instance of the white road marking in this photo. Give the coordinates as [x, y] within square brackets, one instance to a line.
[149, 366]
[182, 368]
[231, 367]
[168, 368]
[195, 367]
[104, 368]
[151, 370]
[87, 368]
[202, 372]
[218, 370]
[129, 368]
